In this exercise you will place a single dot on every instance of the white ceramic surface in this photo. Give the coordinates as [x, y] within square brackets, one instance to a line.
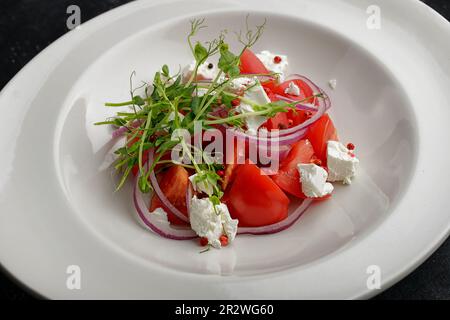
[57, 206]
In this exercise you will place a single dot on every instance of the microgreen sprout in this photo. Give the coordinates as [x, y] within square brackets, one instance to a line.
[172, 102]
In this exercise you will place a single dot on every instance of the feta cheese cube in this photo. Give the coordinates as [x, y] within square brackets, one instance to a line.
[342, 163]
[210, 223]
[257, 95]
[240, 84]
[160, 215]
[314, 180]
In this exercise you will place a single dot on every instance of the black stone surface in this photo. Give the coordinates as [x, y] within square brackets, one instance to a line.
[28, 26]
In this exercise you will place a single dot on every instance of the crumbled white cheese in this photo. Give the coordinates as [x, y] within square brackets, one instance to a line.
[202, 186]
[159, 215]
[203, 71]
[332, 83]
[342, 166]
[210, 223]
[314, 180]
[267, 58]
[240, 84]
[293, 89]
[257, 95]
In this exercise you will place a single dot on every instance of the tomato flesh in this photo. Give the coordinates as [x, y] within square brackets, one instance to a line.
[288, 177]
[319, 133]
[174, 184]
[255, 199]
[279, 121]
[251, 64]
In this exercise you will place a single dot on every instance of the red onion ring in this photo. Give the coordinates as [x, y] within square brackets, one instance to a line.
[161, 194]
[119, 132]
[122, 130]
[273, 137]
[162, 229]
[299, 106]
[279, 226]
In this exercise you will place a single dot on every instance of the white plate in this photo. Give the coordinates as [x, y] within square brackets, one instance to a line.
[57, 207]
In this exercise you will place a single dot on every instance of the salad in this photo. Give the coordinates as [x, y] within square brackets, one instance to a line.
[223, 146]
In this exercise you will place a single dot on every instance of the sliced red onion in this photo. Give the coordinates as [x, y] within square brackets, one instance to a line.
[164, 229]
[300, 106]
[161, 194]
[271, 138]
[122, 130]
[119, 132]
[279, 226]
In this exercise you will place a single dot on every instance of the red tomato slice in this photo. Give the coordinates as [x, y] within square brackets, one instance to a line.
[255, 199]
[279, 121]
[319, 133]
[230, 170]
[250, 63]
[305, 90]
[284, 120]
[288, 177]
[297, 117]
[174, 184]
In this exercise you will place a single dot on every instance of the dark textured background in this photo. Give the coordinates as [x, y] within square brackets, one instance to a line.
[28, 26]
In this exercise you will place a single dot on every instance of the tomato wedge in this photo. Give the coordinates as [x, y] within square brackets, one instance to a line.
[250, 63]
[255, 199]
[174, 184]
[284, 120]
[319, 133]
[279, 121]
[288, 177]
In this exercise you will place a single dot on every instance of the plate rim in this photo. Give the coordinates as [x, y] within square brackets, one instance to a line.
[400, 274]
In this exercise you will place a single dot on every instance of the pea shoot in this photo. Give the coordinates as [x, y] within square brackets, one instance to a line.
[172, 102]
